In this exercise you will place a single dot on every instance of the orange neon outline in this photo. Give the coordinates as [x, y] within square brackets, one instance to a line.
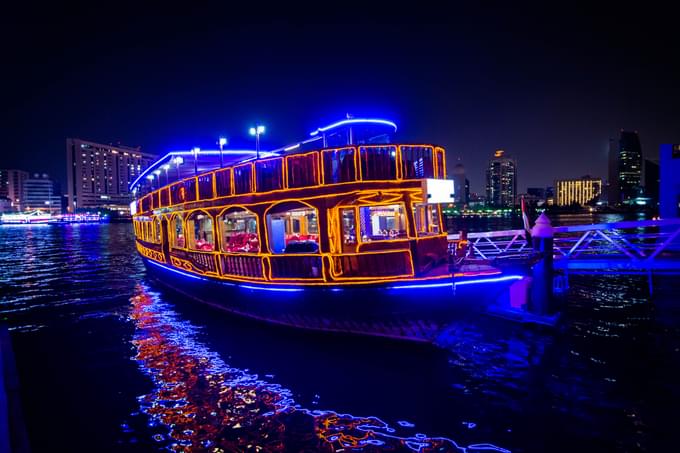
[260, 161]
[336, 275]
[281, 256]
[397, 160]
[188, 216]
[266, 223]
[252, 178]
[335, 150]
[432, 149]
[317, 177]
[219, 225]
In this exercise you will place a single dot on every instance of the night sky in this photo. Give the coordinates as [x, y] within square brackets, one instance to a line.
[550, 88]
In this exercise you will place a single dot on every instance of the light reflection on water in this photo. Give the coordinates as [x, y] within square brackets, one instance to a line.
[208, 405]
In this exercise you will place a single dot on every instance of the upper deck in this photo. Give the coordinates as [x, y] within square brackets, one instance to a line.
[315, 170]
[350, 151]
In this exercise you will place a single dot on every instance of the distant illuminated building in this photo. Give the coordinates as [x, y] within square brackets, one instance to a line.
[458, 176]
[501, 181]
[12, 187]
[629, 168]
[579, 191]
[550, 195]
[41, 193]
[669, 166]
[99, 175]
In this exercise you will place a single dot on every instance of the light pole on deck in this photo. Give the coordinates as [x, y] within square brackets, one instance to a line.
[158, 177]
[222, 141]
[166, 167]
[257, 131]
[150, 178]
[195, 152]
[178, 161]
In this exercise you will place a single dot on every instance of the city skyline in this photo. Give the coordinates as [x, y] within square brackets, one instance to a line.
[472, 85]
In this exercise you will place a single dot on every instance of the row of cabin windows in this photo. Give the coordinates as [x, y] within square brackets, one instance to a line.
[148, 230]
[291, 231]
[338, 166]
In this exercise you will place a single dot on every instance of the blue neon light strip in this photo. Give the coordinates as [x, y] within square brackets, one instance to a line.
[490, 280]
[261, 288]
[290, 290]
[354, 121]
[226, 152]
[464, 282]
[427, 285]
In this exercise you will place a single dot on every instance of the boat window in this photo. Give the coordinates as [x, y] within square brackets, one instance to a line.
[157, 230]
[146, 203]
[190, 189]
[294, 231]
[178, 193]
[303, 170]
[223, 182]
[239, 232]
[338, 165]
[378, 162]
[417, 162]
[205, 186]
[165, 197]
[148, 231]
[243, 179]
[269, 174]
[380, 223]
[440, 162]
[427, 219]
[349, 227]
[200, 231]
[178, 239]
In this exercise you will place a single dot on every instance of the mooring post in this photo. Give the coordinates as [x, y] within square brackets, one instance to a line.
[541, 301]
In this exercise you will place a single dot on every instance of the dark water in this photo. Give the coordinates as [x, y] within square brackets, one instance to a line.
[110, 362]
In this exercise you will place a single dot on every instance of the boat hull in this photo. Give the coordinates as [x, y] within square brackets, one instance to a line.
[416, 313]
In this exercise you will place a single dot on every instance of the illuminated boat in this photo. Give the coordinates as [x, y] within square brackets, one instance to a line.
[32, 217]
[340, 232]
[77, 218]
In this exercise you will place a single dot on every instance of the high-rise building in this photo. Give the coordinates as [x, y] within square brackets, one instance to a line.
[99, 175]
[630, 166]
[669, 166]
[12, 187]
[501, 181]
[458, 175]
[40, 192]
[578, 191]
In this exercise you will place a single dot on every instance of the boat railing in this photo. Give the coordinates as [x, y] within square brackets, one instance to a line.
[388, 263]
[242, 265]
[295, 266]
[292, 266]
[640, 241]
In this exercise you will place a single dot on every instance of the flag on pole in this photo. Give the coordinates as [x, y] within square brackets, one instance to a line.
[525, 220]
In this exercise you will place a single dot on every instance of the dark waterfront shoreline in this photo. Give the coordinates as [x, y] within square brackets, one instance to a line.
[99, 368]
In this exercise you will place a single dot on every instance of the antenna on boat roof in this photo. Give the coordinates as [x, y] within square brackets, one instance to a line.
[349, 116]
